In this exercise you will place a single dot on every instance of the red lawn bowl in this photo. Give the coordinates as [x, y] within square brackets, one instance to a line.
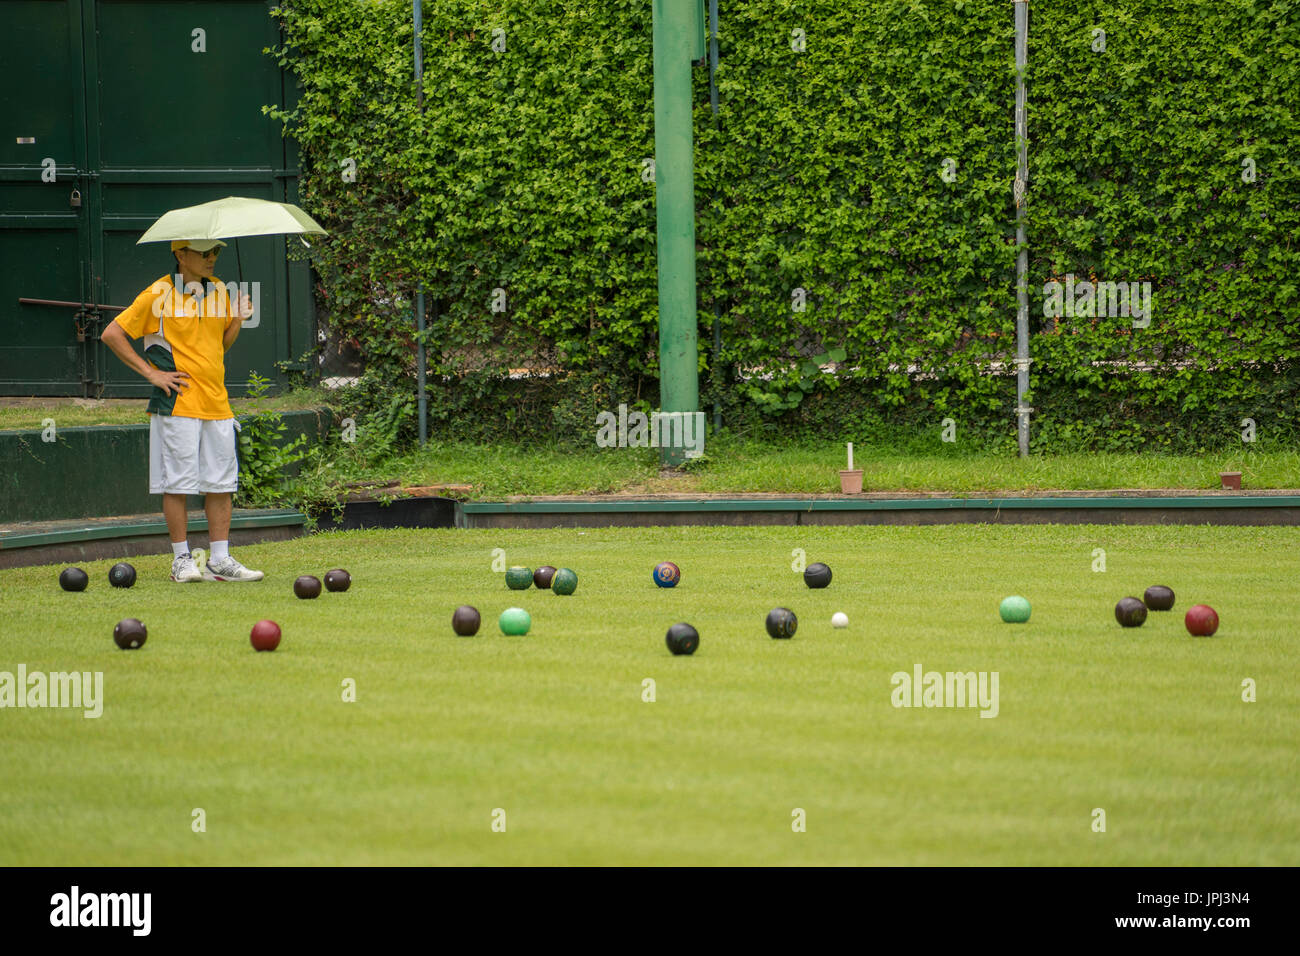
[265, 636]
[1201, 620]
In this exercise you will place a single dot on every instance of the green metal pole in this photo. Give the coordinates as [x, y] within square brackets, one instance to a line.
[1022, 255]
[717, 311]
[421, 360]
[676, 27]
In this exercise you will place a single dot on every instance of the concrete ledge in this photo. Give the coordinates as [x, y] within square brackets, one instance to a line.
[1128, 507]
[54, 542]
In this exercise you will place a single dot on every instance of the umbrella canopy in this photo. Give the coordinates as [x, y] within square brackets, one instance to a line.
[230, 217]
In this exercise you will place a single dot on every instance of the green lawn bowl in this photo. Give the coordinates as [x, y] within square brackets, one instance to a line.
[1014, 609]
[565, 581]
[515, 621]
[519, 579]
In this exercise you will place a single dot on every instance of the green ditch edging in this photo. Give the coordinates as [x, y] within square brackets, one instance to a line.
[888, 504]
[94, 471]
[128, 529]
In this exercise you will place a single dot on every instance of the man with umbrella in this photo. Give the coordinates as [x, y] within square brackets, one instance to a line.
[187, 331]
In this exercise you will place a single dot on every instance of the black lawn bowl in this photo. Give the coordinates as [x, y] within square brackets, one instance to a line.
[121, 575]
[337, 580]
[73, 579]
[130, 634]
[307, 586]
[1130, 612]
[466, 620]
[781, 622]
[542, 576]
[817, 575]
[682, 639]
[1159, 598]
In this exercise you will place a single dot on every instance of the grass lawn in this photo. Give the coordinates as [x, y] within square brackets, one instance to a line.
[733, 463]
[29, 413]
[498, 471]
[552, 728]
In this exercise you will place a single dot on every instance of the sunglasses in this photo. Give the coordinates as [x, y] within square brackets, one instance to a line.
[213, 252]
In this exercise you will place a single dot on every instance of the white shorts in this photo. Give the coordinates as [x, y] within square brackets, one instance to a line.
[192, 456]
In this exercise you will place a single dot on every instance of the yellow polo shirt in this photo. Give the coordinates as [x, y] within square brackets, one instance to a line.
[183, 334]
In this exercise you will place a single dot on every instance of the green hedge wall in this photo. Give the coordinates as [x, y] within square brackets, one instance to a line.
[870, 167]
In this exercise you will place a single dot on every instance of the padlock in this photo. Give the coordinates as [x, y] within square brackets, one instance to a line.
[75, 199]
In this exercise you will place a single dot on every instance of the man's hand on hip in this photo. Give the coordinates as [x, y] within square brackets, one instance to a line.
[170, 381]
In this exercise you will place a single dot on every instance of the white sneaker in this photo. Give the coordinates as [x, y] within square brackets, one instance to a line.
[228, 569]
[184, 569]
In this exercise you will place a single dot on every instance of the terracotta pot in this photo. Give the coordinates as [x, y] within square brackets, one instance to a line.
[851, 482]
[1231, 480]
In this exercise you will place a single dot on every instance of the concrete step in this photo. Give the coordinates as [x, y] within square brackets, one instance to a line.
[28, 543]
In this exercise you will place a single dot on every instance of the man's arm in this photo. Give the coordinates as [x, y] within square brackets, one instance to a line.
[115, 337]
[243, 311]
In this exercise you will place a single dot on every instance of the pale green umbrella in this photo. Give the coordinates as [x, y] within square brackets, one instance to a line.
[230, 218]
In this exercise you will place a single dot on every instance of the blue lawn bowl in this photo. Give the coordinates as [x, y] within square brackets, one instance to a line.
[666, 574]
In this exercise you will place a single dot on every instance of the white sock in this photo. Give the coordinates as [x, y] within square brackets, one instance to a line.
[179, 548]
[220, 550]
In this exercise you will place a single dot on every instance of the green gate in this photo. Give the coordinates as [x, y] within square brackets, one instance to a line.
[113, 112]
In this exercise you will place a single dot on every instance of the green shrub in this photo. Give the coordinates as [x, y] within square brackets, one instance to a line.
[265, 454]
[1169, 157]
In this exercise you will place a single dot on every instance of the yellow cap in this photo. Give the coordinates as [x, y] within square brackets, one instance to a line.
[198, 245]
